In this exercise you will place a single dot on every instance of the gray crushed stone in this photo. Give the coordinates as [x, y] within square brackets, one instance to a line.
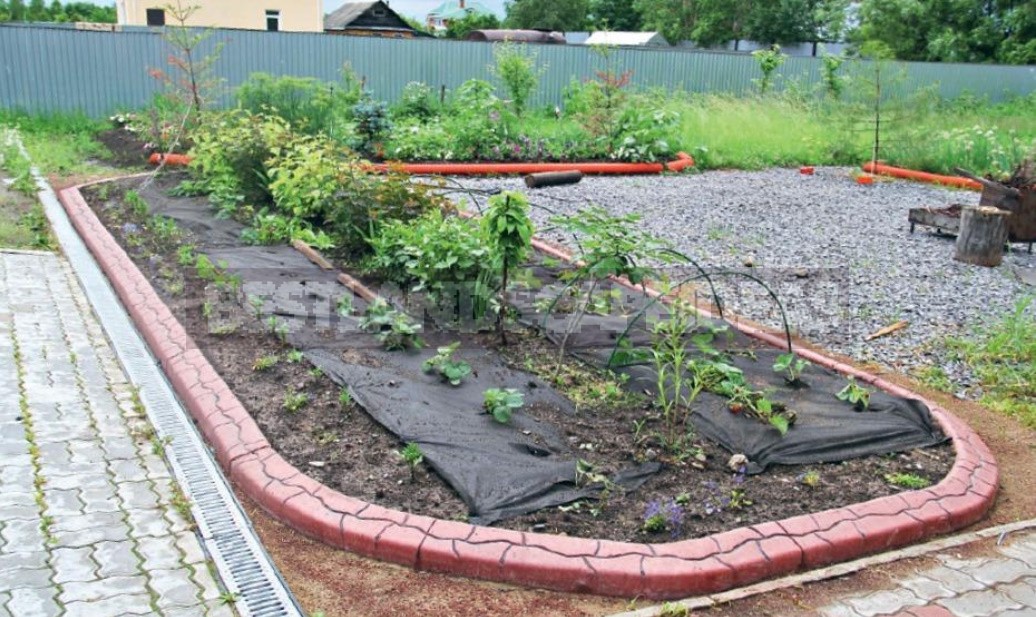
[840, 255]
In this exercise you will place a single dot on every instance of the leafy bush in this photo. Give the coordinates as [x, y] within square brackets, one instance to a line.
[479, 122]
[431, 253]
[416, 101]
[395, 330]
[516, 68]
[307, 104]
[643, 134]
[228, 159]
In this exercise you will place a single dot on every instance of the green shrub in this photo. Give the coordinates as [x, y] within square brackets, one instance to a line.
[228, 159]
[431, 253]
[307, 104]
[416, 101]
[516, 68]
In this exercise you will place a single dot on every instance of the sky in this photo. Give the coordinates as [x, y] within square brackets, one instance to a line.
[412, 8]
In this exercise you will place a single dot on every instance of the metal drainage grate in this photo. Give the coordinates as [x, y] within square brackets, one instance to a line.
[242, 562]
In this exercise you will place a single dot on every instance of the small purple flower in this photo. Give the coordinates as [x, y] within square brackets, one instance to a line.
[659, 516]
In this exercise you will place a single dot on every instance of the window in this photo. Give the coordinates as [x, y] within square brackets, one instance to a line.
[156, 17]
[273, 21]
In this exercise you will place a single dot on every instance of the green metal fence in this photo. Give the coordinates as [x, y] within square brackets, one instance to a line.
[45, 68]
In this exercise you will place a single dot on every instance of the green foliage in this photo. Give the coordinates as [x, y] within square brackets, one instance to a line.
[951, 31]
[547, 15]
[57, 12]
[394, 329]
[136, 204]
[372, 124]
[309, 105]
[294, 401]
[855, 394]
[265, 363]
[416, 101]
[450, 370]
[674, 395]
[344, 397]
[460, 28]
[228, 160]
[1003, 357]
[295, 356]
[434, 253]
[907, 480]
[769, 61]
[833, 82]
[508, 230]
[276, 229]
[516, 68]
[791, 365]
[185, 255]
[615, 15]
[412, 456]
[502, 403]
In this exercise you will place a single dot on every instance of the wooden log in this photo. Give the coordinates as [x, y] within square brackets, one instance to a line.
[983, 233]
[552, 178]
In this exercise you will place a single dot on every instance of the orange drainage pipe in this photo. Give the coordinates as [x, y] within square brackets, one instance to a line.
[921, 176]
[171, 160]
[683, 161]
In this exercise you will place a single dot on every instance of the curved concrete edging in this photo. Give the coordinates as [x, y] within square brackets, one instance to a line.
[625, 569]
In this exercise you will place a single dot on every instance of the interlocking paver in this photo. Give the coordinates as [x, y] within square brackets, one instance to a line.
[33, 601]
[1000, 583]
[73, 565]
[175, 589]
[117, 606]
[111, 548]
[116, 558]
[979, 603]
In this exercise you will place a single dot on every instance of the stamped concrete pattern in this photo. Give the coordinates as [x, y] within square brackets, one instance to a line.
[1001, 584]
[626, 569]
[87, 525]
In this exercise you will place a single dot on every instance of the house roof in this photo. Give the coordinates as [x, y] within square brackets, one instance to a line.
[626, 38]
[451, 9]
[346, 14]
[350, 12]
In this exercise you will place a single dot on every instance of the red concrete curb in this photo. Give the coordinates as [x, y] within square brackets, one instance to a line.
[659, 571]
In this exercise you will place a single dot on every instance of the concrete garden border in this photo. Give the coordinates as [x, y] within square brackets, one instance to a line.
[625, 569]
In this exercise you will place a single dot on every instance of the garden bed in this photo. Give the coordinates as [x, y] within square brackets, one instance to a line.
[341, 446]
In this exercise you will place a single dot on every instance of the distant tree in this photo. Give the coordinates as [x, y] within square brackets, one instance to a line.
[618, 15]
[673, 20]
[547, 14]
[460, 28]
[38, 11]
[948, 30]
[17, 10]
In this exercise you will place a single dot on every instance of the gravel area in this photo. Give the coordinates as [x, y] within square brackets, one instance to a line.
[840, 255]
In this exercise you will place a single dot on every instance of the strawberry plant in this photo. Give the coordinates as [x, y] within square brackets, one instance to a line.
[450, 370]
[855, 394]
[502, 403]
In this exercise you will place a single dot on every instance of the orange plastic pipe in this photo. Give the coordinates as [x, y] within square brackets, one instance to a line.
[683, 161]
[171, 160]
[921, 176]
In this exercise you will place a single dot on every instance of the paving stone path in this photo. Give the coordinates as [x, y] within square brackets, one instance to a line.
[999, 584]
[88, 524]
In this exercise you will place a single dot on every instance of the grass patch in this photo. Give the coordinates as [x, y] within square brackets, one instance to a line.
[723, 131]
[1003, 357]
[61, 144]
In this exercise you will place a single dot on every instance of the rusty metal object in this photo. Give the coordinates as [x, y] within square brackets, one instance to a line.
[1017, 197]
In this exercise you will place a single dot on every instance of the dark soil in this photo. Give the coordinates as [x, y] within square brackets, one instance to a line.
[342, 447]
[126, 149]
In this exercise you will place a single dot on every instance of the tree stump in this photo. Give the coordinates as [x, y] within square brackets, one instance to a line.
[982, 235]
[552, 178]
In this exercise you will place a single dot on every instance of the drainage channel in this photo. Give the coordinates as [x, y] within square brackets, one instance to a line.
[243, 564]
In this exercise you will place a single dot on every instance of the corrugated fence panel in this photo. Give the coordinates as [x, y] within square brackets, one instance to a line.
[45, 68]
